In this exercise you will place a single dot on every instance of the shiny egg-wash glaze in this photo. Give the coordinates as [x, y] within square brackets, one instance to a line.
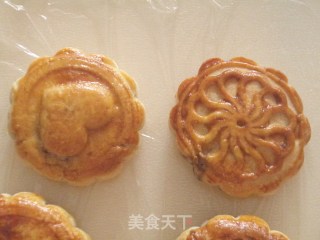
[241, 125]
[75, 117]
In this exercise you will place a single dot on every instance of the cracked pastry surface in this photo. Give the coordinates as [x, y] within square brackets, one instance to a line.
[225, 227]
[75, 116]
[26, 216]
[241, 125]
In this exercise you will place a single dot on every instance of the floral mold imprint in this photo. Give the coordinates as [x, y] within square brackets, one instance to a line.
[26, 216]
[225, 227]
[75, 116]
[241, 125]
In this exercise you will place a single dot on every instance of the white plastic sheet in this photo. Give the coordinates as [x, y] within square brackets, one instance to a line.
[160, 43]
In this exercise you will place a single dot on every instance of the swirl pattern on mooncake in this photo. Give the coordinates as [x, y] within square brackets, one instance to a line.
[75, 116]
[241, 125]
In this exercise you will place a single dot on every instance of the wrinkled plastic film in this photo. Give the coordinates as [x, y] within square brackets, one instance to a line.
[159, 44]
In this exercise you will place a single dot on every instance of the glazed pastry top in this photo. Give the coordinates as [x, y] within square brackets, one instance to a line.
[241, 125]
[225, 227]
[26, 216]
[75, 116]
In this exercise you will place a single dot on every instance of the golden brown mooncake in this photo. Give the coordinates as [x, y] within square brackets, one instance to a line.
[26, 216]
[75, 116]
[225, 227]
[241, 125]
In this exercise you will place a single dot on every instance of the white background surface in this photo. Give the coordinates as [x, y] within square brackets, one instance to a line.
[160, 43]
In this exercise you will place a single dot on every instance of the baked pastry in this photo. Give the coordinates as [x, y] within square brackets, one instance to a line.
[26, 216]
[241, 125]
[225, 227]
[75, 116]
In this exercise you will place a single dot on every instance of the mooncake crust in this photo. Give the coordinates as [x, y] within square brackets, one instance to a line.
[226, 227]
[75, 117]
[26, 216]
[241, 126]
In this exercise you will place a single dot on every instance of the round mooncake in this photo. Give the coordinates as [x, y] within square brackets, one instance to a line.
[75, 117]
[241, 125]
[225, 227]
[26, 216]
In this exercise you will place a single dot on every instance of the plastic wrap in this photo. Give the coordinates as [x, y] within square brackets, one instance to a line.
[160, 43]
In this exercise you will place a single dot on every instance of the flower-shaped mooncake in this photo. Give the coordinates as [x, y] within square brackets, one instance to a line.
[241, 125]
[225, 227]
[75, 116]
[26, 216]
